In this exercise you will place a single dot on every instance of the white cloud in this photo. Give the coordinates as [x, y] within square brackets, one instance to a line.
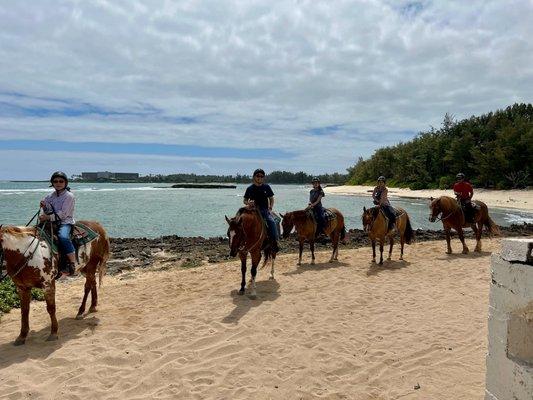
[258, 73]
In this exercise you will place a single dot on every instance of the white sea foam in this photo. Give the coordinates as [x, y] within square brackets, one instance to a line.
[519, 218]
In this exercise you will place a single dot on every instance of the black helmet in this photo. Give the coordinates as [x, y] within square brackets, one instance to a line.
[59, 174]
[259, 171]
[460, 175]
[316, 179]
[381, 178]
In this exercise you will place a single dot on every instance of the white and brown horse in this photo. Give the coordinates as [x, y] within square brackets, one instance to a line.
[30, 263]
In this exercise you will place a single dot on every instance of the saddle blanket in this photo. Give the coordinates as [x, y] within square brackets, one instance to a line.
[81, 235]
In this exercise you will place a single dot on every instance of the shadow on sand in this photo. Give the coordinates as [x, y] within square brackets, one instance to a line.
[469, 255]
[266, 291]
[37, 347]
[375, 269]
[306, 267]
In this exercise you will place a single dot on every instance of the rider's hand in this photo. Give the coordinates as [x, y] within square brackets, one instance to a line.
[44, 217]
[42, 204]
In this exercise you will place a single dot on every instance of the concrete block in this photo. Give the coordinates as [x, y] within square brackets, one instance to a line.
[497, 324]
[522, 383]
[520, 335]
[518, 250]
[516, 277]
[505, 301]
[499, 376]
[489, 396]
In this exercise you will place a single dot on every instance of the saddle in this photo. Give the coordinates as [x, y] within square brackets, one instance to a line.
[80, 235]
[469, 210]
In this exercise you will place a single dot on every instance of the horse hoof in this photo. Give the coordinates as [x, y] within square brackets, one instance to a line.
[381, 262]
[19, 341]
[79, 316]
[93, 310]
[449, 252]
[374, 260]
[465, 252]
[271, 278]
[241, 292]
[388, 258]
[313, 262]
[53, 337]
[401, 258]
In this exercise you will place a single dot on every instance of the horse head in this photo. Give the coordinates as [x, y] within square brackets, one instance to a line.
[435, 209]
[287, 224]
[367, 218]
[236, 235]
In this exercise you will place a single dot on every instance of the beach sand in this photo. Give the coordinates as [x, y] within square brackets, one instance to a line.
[347, 330]
[520, 199]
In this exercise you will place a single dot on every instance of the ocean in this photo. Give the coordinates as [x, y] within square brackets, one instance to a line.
[153, 210]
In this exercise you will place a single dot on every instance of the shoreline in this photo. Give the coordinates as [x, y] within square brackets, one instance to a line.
[516, 199]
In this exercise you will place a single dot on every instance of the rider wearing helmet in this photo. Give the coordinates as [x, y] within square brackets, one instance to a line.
[380, 196]
[464, 191]
[315, 203]
[260, 195]
[58, 207]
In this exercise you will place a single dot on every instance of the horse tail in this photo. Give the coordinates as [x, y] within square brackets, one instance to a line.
[343, 232]
[409, 234]
[491, 226]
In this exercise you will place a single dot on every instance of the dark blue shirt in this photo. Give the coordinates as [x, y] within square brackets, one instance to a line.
[259, 194]
[313, 196]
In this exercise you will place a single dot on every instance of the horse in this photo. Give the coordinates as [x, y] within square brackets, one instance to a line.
[305, 226]
[31, 262]
[376, 225]
[452, 217]
[247, 233]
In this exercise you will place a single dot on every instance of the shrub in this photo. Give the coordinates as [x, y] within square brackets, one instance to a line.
[9, 298]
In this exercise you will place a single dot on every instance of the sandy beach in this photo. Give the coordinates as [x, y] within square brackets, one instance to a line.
[519, 199]
[350, 330]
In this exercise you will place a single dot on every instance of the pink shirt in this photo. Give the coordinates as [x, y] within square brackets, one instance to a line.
[62, 204]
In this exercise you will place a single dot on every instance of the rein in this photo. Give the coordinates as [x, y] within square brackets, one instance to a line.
[243, 246]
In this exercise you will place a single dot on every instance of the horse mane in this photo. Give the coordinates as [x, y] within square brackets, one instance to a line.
[375, 212]
[18, 231]
[299, 215]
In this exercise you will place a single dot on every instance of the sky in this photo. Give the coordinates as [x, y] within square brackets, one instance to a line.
[224, 87]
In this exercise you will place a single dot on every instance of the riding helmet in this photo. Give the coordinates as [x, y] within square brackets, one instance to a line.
[460, 175]
[259, 171]
[59, 174]
[316, 179]
[381, 178]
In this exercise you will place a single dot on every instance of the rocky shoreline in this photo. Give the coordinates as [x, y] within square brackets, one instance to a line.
[187, 252]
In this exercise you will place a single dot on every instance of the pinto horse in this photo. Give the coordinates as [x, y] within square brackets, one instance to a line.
[30, 262]
[376, 225]
[305, 227]
[247, 234]
[452, 217]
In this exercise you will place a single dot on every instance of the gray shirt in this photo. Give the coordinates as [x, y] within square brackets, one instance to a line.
[62, 204]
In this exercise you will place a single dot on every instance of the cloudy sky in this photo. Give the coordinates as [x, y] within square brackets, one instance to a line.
[227, 86]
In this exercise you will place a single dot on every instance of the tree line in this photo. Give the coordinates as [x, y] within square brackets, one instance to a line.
[494, 150]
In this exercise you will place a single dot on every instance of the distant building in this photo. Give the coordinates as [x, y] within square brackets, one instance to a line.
[109, 175]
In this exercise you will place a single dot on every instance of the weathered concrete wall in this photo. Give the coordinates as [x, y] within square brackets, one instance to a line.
[510, 353]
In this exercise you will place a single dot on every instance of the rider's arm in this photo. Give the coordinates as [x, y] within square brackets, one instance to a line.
[271, 202]
[316, 201]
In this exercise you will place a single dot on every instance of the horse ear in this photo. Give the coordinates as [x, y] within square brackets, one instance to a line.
[364, 209]
[227, 219]
[281, 215]
[431, 198]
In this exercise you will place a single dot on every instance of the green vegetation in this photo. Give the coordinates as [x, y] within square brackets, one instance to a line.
[493, 150]
[9, 298]
[278, 177]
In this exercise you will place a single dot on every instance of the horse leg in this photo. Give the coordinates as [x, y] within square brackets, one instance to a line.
[381, 252]
[256, 257]
[94, 296]
[462, 239]
[391, 242]
[373, 251]
[402, 242]
[243, 272]
[50, 297]
[87, 289]
[25, 297]
[335, 241]
[272, 259]
[301, 243]
[448, 245]
[478, 228]
[312, 246]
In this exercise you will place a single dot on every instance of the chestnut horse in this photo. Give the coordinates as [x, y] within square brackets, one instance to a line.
[30, 262]
[376, 225]
[305, 227]
[452, 217]
[247, 233]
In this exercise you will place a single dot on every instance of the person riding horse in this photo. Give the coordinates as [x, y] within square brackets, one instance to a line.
[58, 208]
[315, 204]
[380, 196]
[464, 191]
[260, 195]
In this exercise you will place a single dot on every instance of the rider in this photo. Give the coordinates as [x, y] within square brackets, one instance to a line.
[58, 207]
[260, 195]
[380, 198]
[315, 203]
[464, 191]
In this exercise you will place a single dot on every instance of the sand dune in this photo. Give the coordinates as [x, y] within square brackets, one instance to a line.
[349, 330]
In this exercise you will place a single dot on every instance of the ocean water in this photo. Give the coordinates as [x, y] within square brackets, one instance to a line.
[152, 210]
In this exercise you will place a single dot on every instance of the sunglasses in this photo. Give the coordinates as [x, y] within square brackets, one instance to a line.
[259, 176]
[58, 181]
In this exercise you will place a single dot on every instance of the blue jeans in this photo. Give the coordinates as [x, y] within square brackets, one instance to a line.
[389, 212]
[271, 224]
[318, 211]
[65, 244]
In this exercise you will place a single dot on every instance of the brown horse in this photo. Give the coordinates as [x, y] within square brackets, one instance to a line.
[30, 262]
[376, 225]
[306, 229]
[247, 234]
[452, 217]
